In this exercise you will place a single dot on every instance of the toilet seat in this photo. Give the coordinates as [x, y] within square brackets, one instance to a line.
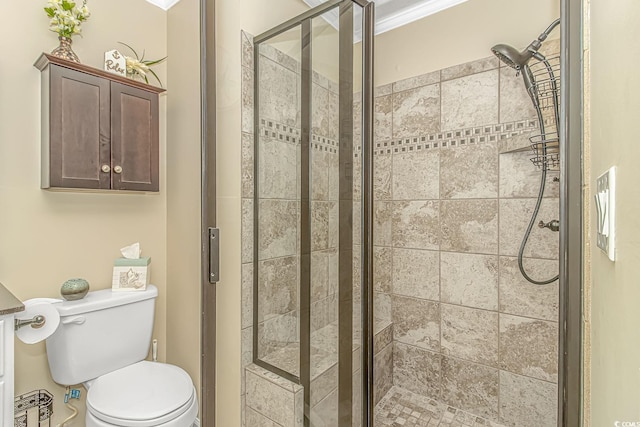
[144, 394]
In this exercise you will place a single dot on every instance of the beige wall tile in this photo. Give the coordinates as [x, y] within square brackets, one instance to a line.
[382, 177]
[415, 82]
[319, 178]
[473, 67]
[529, 347]
[416, 273]
[247, 295]
[323, 384]
[416, 175]
[277, 287]
[469, 172]
[527, 402]
[277, 169]
[247, 100]
[256, 419]
[274, 402]
[470, 101]
[514, 218]
[470, 280]
[383, 368]
[416, 224]
[416, 369]
[383, 113]
[247, 165]
[417, 322]
[515, 103]
[470, 387]
[416, 111]
[277, 228]
[382, 220]
[319, 110]
[470, 334]
[325, 413]
[247, 354]
[519, 297]
[521, 178]
[382, 269]
[470, 226]
[278, 93]
[247, 230]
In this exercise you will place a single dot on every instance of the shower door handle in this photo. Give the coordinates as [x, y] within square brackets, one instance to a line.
[214, 255]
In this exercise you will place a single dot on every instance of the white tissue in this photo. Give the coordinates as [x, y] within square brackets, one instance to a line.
[131, 251]
[35, 307]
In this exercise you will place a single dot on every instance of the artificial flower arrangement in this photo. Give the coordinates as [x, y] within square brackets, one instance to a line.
[66, 17]
[138, 67]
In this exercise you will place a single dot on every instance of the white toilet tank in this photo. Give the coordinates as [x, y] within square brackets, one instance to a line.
[100, 333]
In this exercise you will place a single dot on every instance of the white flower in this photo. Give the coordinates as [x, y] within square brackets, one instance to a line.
[136, 67]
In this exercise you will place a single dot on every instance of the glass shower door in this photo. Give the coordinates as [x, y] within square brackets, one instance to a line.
[307, 207]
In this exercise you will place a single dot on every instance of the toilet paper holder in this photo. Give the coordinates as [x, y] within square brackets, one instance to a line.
[36, 322]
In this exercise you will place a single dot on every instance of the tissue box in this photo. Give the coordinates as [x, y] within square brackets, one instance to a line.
[130, 274]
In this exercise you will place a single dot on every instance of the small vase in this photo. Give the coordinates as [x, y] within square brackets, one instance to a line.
[64, 51]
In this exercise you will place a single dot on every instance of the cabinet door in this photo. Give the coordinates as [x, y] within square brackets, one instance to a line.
[79, 130]
[134, 138]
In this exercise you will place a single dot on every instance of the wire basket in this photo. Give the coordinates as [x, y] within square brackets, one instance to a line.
[545, 93]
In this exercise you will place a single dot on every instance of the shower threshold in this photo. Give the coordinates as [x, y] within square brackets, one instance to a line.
[400, 407]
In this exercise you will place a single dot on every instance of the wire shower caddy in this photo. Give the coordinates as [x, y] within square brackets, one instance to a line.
[545, 93]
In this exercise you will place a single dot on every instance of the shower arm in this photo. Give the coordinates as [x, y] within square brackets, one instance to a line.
[550, 28]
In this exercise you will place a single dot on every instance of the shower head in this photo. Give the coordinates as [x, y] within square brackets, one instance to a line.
[511, 56]
[516, 59]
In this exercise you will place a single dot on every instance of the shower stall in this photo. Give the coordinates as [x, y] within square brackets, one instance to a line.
[386, 280]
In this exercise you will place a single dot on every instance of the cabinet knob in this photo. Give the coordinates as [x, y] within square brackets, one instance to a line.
[117, 169]
[106, 168]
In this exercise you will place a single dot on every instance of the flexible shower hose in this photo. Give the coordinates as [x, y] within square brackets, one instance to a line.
[543, 181]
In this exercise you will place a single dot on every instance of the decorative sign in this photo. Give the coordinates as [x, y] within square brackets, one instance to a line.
[115, 62]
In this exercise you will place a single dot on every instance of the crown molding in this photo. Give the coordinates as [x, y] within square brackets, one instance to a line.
[163, 4]
[392, 14]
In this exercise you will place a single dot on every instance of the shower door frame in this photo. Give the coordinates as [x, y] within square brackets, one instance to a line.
[345, 287]
[570, 360]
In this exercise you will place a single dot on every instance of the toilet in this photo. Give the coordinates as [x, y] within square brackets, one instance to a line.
[102, 342]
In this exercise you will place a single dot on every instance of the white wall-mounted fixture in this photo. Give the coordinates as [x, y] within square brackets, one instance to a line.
[606, 210]
[163, 4]
[391, 14]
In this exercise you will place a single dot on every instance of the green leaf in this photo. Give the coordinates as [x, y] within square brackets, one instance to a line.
[156, 76]
[150, 63]
[50, 12]
[134, 52]
[67, 5]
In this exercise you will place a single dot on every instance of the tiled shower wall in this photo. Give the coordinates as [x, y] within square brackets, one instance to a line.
[451, 211]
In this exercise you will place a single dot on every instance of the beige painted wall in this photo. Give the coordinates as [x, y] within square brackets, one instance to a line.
[615, 107]
[461, 34]
[47, 237]
[183, 187]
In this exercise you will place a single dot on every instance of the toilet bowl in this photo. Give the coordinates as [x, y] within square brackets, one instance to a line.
[102, 342]
[144, 394]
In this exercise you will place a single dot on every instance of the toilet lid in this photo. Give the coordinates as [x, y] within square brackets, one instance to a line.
[141, 393]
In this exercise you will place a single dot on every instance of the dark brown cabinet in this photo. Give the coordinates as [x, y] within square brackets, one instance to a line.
[99, 130]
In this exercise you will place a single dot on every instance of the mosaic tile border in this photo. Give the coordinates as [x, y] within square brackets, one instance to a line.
[447, 139]
[457, 137]
[291, 135]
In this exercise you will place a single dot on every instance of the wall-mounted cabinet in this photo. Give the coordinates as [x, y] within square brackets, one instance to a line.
[99, 130]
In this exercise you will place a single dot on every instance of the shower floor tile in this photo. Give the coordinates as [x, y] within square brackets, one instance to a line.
[403, 408]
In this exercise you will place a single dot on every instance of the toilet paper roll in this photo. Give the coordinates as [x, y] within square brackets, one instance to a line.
[35, 307]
